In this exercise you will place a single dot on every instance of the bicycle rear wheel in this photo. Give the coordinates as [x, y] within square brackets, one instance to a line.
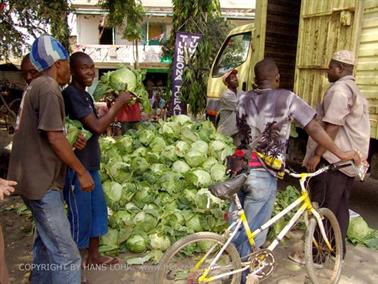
[178, 263]
[323, 265]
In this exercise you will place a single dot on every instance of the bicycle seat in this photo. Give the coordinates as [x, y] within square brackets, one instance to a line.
[225, 190]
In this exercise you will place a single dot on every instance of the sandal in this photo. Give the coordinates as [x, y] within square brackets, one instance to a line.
[108, 261]
[297, 258]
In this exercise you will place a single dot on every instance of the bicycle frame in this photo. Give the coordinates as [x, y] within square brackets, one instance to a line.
[305, 205]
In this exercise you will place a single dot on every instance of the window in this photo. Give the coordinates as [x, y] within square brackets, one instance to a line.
[153, 33]
[234, 52]
[105, 35]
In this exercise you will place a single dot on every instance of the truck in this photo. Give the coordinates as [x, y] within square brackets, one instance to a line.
[301, 36]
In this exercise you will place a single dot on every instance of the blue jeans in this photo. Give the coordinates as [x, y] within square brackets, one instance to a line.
[259, 196]
[56, 259]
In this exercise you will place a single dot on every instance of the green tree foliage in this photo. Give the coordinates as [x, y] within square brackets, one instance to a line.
[22, 20]
[198, 16]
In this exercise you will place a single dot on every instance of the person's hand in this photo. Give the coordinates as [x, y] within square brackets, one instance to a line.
[352, 155]
[6, 187]
[124, 97]
[86, 182]
[80, 142]
[312, 163]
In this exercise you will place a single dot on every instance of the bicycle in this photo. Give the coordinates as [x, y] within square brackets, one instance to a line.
[205, 257]
[8, 110]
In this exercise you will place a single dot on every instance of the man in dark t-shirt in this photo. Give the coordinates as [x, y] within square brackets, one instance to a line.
[39, 154]
[87, 211]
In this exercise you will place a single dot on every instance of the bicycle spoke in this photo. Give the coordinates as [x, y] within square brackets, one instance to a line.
[321, 266]
[192, 259]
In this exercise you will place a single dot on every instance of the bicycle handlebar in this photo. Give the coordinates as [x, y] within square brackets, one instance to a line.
[335, 166]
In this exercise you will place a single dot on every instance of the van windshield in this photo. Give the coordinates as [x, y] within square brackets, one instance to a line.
[234, 52]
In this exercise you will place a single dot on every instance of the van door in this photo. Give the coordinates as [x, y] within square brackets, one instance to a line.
[324, 28]
[236, 53]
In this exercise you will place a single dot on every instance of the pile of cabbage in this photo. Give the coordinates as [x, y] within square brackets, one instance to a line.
[155, 181]
[360, 233]
[123, 79]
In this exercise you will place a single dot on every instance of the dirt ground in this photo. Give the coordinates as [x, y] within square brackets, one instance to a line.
[17, 228]
[360, 267]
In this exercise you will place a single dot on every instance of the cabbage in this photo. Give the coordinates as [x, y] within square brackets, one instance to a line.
[169, 130]
[144, 221]
[109, 241]
[209, 163]
[119, 171]
[74, 128]
[194, 223]
[181, 119]
[125, 144]
[158, 169]
[146, 136]
[182, 148]
[199, 178]
[143, 195]
[139, 164]
[136, 243]
[122, 79]
[159, 242]
[169, 154]
[157, 144]
[188, 135]
[170, 181]
[128, 191]
[194, 158]
[215, 147]
[132, 208]
[200, 146]
[113, 192]
[358, 229]
[121, 219]
[227, 151]
[206, 131]
[106, 143]
[180, 167]
[218, 172]
[139, 152]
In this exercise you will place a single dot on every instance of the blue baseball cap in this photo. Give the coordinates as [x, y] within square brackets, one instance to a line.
[45, 51]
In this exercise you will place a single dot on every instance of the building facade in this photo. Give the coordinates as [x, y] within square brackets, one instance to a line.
[106, 46]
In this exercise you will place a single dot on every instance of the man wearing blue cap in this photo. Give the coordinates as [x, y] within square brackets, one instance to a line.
[39, 154]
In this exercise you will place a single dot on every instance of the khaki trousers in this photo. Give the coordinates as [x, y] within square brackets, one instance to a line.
[4, 278]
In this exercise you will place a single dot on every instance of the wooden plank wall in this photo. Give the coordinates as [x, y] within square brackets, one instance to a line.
[325, 27]
[367, 64]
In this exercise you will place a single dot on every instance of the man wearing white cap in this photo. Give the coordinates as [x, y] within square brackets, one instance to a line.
[37, 163]
[227, 106]
[344, 115]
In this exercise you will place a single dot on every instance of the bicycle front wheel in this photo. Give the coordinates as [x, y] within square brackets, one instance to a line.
[187, 259]
[322, 263]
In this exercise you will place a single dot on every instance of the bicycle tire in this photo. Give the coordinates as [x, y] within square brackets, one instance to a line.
[168, 264]
[322, 265]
